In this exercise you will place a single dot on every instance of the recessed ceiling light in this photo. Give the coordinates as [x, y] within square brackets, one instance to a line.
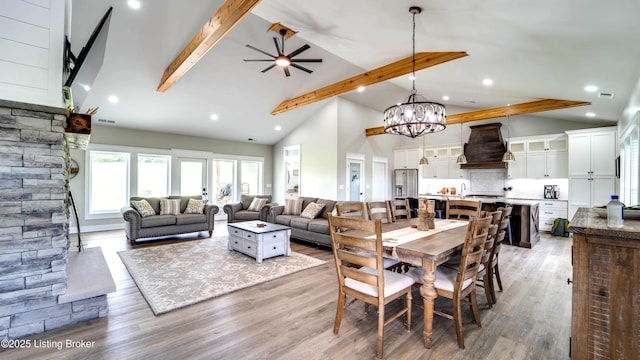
[134, 4]
[590, 114]
[214, 117]
[411, 77]
[113, 99]
[590, 88]
[86, 87]
[445, 98]
[487, 82]
[278, 128]
[360, 88]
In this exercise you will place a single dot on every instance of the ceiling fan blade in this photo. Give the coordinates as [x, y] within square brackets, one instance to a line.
[286, 71]
[258, 60]
[267, 69]
[307, 60]
[500, 111]
[299, 50]
[275, 41]
[258, 50]
[301, 68]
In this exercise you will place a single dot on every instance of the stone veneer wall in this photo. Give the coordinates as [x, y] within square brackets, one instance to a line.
[34, 223]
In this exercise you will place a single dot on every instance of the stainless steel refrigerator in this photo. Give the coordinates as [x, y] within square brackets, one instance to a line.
[405, 183]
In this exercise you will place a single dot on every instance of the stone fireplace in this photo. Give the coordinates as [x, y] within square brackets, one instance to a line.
[34, 224]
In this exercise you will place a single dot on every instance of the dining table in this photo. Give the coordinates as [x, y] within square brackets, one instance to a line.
[428, 249]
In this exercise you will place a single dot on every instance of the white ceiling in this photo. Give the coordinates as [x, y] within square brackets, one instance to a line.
[531, 50]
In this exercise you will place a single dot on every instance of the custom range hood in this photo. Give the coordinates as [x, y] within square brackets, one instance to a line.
[485, 148]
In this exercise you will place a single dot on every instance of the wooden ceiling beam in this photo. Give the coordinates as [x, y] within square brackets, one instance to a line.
[226, 17]
[383, 73]
[500, 111]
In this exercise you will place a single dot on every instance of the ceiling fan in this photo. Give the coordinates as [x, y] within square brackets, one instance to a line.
[285, 60]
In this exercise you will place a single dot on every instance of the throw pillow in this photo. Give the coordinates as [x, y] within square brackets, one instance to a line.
[169, 206]
[195, 206]
[143, 207]
[293, 207]
[312, 210]
[257, 204]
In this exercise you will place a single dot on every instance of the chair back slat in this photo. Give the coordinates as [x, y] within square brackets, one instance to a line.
[477, 233]
[379, 210]
[463, 209]
[400, 209]
[351, 209]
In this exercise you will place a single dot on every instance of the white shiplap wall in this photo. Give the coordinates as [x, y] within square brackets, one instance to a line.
[31, 51]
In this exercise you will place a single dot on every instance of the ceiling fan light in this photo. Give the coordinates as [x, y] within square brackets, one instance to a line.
[283, 61]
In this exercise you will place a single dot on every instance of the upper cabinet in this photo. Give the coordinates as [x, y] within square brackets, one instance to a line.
[442, 163]
[539, 157]
[406, 158]
[592, 153]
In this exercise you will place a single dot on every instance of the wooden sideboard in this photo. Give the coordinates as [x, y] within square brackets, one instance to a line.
[605, 321]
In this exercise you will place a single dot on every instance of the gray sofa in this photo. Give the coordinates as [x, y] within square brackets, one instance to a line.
[311, 230]
[237, 212]
[138, 227]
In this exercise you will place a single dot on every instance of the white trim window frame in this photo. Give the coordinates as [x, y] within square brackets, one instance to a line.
[105, 180]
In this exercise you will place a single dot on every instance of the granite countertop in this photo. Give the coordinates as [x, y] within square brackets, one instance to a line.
[587, 221]
[486, 199]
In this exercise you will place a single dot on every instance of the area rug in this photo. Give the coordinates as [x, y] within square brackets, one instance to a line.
[177, 275]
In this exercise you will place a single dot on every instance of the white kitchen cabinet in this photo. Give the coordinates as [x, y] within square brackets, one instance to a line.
[592, 179]
[406, 158]
[547, 157]
[517, 169]
[455, 172]
[549, 211]
[592, 153]
[438, 167]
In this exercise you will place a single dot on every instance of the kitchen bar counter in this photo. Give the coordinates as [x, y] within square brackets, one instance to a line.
[524, 219]
[605, 316]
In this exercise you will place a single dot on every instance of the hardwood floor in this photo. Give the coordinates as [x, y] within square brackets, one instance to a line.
[292, 317]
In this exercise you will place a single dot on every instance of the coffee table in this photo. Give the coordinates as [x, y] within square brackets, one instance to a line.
[258, 241]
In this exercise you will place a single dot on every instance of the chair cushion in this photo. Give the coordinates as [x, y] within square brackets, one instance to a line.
[157, 220]
[393, 283]
[143, 207]
[247, 215]
[312, 210]
[257, 204]
[195, 206]
[329, 205]
[445, 278]
[169, 206]
[319, 225]
[300, 223]
[293, 207]
[184, 219]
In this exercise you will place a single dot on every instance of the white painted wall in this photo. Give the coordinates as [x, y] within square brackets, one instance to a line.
[31, 51]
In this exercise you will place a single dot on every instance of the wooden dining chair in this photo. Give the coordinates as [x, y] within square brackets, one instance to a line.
[462, 209]
[400, 209]
[357, 210]
[460, 285]
[364, 278]
[379, 210]
[351, 209]
[494, 268]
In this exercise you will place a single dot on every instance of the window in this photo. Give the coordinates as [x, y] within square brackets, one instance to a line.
[108, 184]
[153, 175]
[251, 177]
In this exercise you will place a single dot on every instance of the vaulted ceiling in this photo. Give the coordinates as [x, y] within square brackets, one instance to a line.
[530, 49]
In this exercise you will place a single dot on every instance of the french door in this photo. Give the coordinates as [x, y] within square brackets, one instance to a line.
[193, 177]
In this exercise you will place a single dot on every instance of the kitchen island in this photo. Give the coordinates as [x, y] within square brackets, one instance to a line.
[605, 316]
[524, 219]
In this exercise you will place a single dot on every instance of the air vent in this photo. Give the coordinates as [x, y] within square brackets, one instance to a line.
[106, 121]
[605, 95]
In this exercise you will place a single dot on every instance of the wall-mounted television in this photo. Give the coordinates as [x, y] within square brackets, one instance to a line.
[85, 67]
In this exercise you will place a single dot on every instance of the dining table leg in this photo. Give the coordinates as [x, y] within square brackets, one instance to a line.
[429, 295]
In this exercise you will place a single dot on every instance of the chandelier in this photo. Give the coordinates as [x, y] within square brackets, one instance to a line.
[415, 116]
